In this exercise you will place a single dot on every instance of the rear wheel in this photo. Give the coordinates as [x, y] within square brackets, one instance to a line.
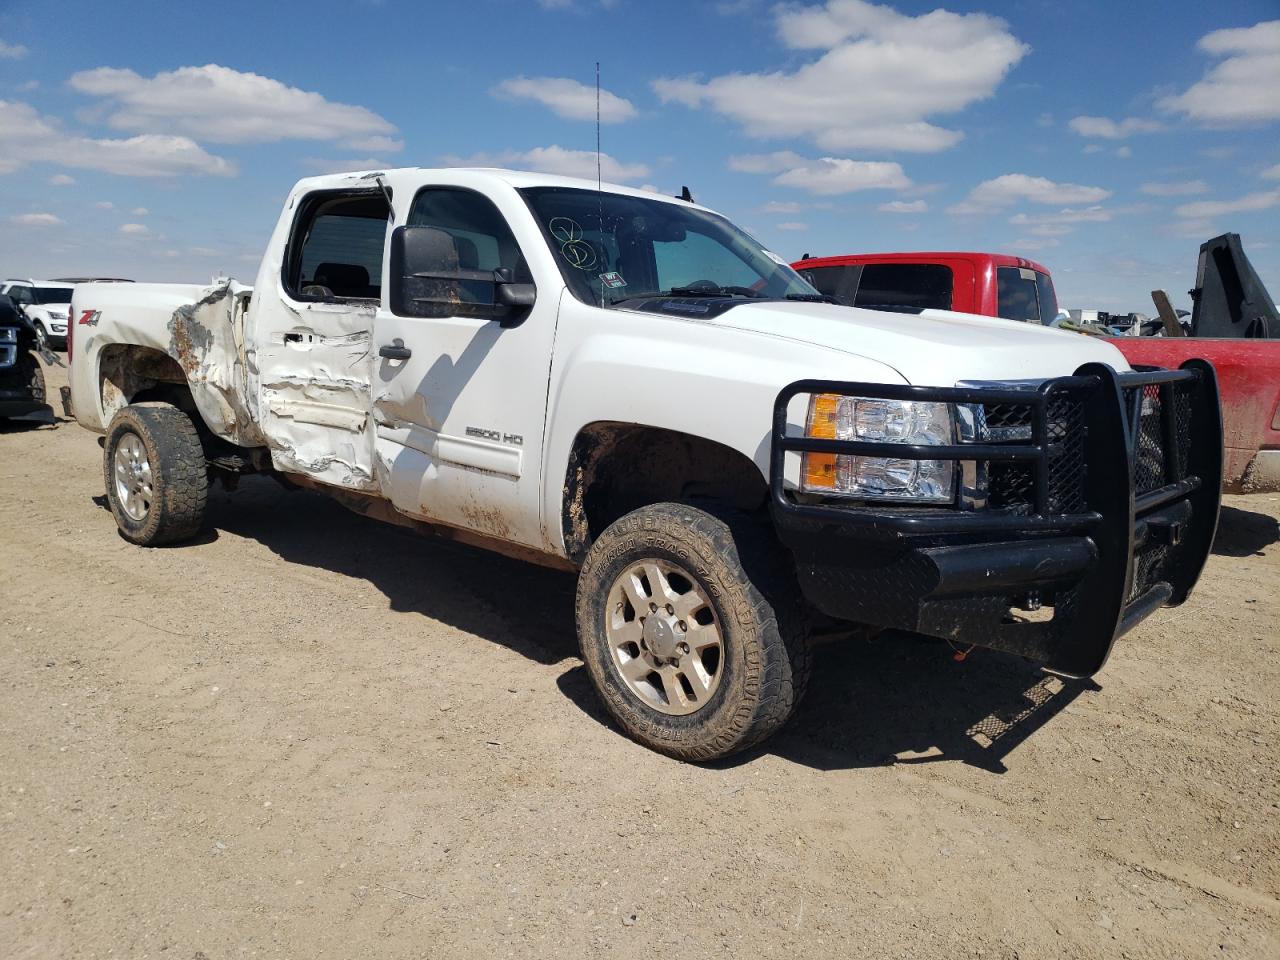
[692, 630]
[156, 476]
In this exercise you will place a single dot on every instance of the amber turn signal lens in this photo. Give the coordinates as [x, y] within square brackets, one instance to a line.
[819, 469]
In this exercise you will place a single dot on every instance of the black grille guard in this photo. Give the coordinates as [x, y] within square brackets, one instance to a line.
[1123, 480]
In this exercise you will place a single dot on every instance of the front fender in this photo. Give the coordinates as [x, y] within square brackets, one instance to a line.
[693, 378]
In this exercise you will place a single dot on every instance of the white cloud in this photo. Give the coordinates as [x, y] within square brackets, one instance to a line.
[1204, 209]
[825, 176]
[61, 180]
[1109, 129]
[26, 136]
[1032, 245]
[1181, 188]
[1242, 88]
[782, 206]
[1124, 152]
[105, 205]
[139, 211]
[774, 162]
[556, 159]
[221, 105]
[567, 98]
[374, 144]
[134, 229]
[792, 226]
[37, 220]
[1094, 214]
[1011, 188]
[904, 206]
[12, 51]
[879, 78]
[1271, 173]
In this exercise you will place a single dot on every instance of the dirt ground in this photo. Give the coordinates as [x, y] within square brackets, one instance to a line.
[309, 735]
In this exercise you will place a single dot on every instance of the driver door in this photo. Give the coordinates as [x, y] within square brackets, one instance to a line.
[460, 397]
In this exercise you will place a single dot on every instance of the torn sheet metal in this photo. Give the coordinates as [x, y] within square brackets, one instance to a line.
[312, 367]
[206, 337]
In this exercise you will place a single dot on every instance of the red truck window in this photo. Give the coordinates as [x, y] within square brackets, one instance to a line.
[885, 286]
[838, 283]
[1025, 295]
[911, 286]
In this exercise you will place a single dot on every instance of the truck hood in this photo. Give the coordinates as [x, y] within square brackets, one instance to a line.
[934, 348]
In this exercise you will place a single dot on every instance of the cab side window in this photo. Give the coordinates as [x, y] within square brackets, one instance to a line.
[21, 294]
[336, 248]
[472, 241]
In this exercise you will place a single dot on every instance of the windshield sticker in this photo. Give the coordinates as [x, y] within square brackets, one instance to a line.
[612, 280]
[775, 258]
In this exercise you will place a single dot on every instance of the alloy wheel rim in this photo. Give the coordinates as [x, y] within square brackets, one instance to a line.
[664, 637]
[132, 470]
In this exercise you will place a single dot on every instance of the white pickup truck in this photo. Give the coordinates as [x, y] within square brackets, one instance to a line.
[629, 386]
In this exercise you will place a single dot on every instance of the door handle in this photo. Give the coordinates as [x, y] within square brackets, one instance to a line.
[396, 350]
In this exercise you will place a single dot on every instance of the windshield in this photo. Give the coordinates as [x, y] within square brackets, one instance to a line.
[53, 294]
[613, 248]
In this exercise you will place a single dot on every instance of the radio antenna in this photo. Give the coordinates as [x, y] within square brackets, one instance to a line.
[604, 300]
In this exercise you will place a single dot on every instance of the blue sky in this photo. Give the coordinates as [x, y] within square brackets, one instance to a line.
[1106, 140]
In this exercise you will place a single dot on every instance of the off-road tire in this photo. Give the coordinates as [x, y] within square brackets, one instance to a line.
[180, 480]
[751, 585]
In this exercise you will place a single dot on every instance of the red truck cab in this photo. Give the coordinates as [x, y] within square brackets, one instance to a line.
[990, 284]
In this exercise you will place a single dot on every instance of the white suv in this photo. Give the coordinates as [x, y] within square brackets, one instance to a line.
[46, 304]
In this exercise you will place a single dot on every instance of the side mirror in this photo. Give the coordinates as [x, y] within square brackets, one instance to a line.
[427, 281]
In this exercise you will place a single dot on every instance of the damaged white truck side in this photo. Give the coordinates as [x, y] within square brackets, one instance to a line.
[630, 386]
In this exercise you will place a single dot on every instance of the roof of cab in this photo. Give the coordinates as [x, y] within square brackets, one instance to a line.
[924, 256]
[513, 178]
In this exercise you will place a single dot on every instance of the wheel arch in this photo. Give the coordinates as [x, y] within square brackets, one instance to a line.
[616, 467]
[130, 373]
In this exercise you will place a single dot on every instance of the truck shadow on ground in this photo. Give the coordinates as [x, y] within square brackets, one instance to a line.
[898, 699]
[1244, 533]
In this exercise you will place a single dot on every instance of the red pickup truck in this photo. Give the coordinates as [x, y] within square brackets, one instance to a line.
[1230, 303]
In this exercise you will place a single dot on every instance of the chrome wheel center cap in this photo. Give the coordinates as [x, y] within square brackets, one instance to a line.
[660, 637]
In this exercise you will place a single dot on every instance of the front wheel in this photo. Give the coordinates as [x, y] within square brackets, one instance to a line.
[692, 630]
[156, 476]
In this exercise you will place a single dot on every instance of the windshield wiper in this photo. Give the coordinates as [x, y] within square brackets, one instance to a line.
[811, 298]
[746, 292]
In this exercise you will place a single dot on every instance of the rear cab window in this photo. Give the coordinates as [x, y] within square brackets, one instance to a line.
[905, 287]
[335, 250]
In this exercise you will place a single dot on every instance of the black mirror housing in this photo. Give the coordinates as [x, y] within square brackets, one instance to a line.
[426, 281]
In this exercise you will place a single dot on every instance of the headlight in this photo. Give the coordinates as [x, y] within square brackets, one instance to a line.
[835, 417]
